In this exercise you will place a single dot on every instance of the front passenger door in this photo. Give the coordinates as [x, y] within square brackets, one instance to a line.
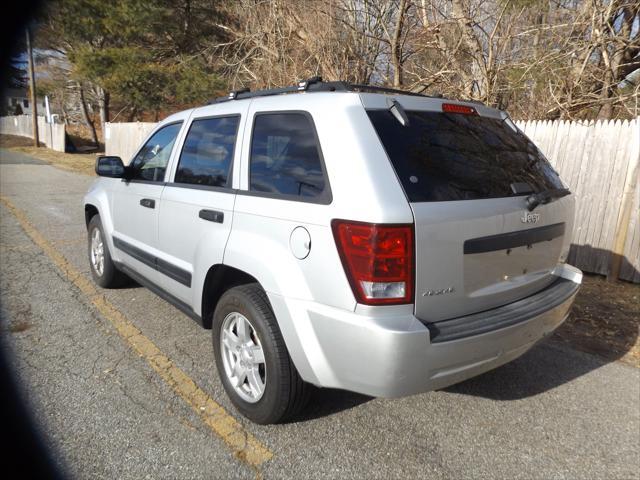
[136, 201]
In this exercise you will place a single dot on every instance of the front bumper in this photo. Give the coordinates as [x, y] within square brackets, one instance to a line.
[390, 353]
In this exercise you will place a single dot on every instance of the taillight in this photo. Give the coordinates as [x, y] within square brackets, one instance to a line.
[455, 108]
[378, 260]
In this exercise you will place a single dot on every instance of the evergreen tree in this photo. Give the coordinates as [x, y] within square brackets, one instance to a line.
[148, 54]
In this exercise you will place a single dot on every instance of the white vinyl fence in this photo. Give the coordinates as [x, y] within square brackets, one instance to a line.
[599, 163]
[50, 134]
[123, 139]
[597, 160]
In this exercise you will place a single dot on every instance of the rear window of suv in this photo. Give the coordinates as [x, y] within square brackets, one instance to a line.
[448, 156]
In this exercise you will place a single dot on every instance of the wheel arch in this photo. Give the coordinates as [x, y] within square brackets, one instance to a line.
[222, 277]
[219, 279]
[96, 202]
[90, 211]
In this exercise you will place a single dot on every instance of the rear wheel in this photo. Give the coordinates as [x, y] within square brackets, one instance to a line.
[103, 270]
[252, 359]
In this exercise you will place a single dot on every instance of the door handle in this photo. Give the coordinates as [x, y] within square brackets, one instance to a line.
[148, 202]
[212, 216]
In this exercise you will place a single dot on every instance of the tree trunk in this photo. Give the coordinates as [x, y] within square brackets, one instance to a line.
[606, 109]
[132, 114]
[476, 66]
[105, 99]
[85, 116]
[396, 47]
[65, 115]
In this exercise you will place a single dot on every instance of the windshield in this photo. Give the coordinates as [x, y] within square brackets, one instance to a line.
[449, 156]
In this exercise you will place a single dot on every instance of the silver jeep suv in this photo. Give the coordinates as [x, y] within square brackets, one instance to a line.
[342, 236]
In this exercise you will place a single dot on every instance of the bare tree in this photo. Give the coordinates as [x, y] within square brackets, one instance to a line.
[537, 58]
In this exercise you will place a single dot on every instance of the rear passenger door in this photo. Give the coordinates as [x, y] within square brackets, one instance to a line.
[196, 208]
[281, 216]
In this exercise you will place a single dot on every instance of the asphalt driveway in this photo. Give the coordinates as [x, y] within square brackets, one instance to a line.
[110, 409]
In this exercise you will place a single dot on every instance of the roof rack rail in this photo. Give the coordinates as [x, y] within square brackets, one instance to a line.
[358, 87]
[313, 84]
[234, 93]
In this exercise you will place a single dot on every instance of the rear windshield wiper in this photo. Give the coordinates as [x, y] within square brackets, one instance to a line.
[398, 112]
[545, 196]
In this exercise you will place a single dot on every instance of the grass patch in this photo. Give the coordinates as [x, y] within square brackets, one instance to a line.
[83, 163]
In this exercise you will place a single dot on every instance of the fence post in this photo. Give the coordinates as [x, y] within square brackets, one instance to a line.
[620, 238]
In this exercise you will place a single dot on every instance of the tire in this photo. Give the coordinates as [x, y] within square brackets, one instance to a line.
[284, 393]
[108, 276]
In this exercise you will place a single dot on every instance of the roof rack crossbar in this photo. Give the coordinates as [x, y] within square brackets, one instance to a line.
[313, 84]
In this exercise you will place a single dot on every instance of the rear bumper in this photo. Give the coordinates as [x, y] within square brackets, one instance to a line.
[390, 353]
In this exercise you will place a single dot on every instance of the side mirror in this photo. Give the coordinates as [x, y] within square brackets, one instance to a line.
[110, 167]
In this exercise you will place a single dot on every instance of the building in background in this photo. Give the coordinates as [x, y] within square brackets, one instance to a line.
[16, 101]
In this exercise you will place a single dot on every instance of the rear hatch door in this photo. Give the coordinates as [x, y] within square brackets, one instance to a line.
[467, 175]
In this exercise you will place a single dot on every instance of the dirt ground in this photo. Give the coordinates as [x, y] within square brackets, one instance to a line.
[83, 163]
[81, 137]
[605, 320]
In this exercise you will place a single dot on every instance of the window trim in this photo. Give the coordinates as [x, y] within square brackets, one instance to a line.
[154, 182]
[229, 186]
[324, 198]
[195, 186]
[148, 182]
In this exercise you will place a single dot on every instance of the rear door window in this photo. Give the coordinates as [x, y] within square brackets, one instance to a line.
[207, 154]
[285, 157]
[450, 156]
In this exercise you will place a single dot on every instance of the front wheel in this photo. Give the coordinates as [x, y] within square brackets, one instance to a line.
[103, 270]
[252, 359]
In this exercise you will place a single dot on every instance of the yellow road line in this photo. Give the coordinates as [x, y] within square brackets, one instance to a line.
[244, 446]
